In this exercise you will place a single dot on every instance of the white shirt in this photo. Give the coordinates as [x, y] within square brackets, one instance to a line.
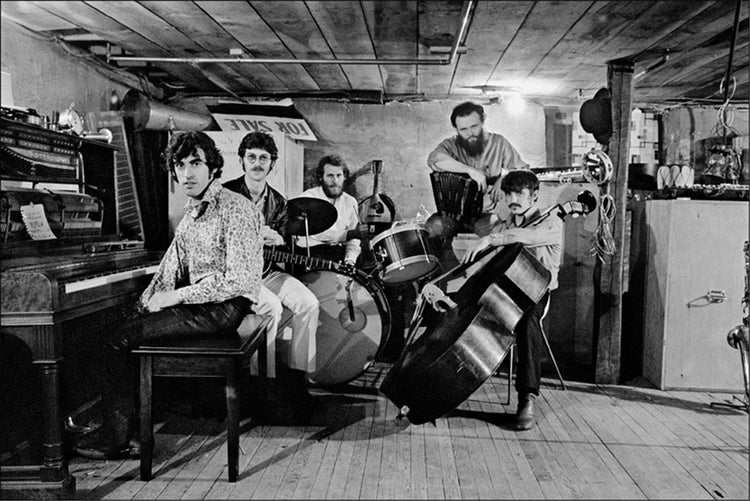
[348, 219]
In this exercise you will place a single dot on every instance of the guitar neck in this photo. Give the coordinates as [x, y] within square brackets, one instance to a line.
[271, 254]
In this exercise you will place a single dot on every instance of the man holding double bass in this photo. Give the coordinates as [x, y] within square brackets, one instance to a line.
[520, 189]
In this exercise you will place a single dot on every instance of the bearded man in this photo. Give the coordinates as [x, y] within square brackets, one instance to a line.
[341, 241]
[484, 156]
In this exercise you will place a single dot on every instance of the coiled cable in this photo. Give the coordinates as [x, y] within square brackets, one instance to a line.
[604, 242]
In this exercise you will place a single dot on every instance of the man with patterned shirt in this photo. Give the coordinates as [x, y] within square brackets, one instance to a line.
[207, 282]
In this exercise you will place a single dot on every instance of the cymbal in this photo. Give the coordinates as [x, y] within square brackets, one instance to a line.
[320, 215]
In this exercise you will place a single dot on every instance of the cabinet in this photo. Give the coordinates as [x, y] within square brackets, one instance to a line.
[693, 247]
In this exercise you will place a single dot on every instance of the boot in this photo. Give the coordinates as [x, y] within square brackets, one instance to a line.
[284, 400]
[111, 440]
[525, 419]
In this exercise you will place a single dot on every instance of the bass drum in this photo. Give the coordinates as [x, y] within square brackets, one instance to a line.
[353, 325]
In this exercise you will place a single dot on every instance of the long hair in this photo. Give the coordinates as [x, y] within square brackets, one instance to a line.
[183, 144]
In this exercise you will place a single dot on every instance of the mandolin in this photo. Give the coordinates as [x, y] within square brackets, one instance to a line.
[377, 211]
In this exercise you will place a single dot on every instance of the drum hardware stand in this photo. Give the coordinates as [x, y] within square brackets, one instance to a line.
[307, 235]
[307, 241]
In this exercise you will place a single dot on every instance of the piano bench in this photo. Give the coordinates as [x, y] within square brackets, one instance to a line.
[220, 356]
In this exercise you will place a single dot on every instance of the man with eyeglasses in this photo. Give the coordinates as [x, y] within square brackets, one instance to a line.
[283, 297]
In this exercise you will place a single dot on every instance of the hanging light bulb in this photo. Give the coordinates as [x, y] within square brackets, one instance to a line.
[114, 101]
[516, 103]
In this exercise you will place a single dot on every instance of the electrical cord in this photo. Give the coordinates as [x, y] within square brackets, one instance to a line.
[725, 114]
[604, 242]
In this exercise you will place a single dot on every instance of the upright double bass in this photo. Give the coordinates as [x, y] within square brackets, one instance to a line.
[466, 344]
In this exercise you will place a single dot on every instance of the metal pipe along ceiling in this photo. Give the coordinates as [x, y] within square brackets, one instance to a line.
[465, 13]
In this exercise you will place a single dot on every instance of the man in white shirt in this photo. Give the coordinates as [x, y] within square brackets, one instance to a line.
[341, 241]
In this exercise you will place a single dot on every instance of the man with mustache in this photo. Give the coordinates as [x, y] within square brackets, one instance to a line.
[283, 297]
[341, 241]
[207, 283]
[544, 240]
[484, 156]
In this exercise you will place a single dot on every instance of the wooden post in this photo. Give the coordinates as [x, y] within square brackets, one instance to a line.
[610, 279]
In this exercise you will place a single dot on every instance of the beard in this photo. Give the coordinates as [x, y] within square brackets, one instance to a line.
[332, 191]
[473, 146]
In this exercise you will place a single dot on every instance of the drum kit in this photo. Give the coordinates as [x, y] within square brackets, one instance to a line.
[355, 317]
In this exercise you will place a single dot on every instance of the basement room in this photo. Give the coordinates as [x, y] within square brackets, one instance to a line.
[399, 249]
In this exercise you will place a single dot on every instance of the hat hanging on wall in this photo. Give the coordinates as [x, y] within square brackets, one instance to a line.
[596, 116]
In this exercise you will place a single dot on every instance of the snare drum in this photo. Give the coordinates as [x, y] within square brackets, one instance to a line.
[405, 253]
[353, 325]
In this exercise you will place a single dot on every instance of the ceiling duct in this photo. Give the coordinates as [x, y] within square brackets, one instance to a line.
[151, 115]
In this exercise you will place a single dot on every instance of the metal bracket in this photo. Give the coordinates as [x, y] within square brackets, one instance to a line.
[716, 296]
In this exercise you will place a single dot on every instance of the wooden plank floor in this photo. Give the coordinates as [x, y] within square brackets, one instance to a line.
[592, 441]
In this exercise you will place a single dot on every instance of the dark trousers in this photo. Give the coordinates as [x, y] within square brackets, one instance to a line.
[185, 321]
[530, 348]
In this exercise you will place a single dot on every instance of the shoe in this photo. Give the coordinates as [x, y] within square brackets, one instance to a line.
[525, 419]
[76, 429]
[285, 400]
[131, 450]
[110, 440]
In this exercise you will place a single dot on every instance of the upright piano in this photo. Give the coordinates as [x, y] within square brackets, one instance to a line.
[60, 295]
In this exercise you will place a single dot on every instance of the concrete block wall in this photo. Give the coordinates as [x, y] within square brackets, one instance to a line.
[402, 135]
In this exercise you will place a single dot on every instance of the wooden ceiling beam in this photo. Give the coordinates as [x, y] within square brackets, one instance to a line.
[211, 38]
[296, 28]
[392, 27]
[150, 26]
[93, 21]
[545, 25]
[655, 23]
[699, 28]
[684, 67]
[708, 90]
[34, 17]
[579, 59]
[492, 28]
[257, 39]
[354, 42]
[438, 23]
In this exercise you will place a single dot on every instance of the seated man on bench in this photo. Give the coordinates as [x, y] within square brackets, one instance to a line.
[206, 284]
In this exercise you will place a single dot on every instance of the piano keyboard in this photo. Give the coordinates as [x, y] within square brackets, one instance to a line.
[90, 283]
